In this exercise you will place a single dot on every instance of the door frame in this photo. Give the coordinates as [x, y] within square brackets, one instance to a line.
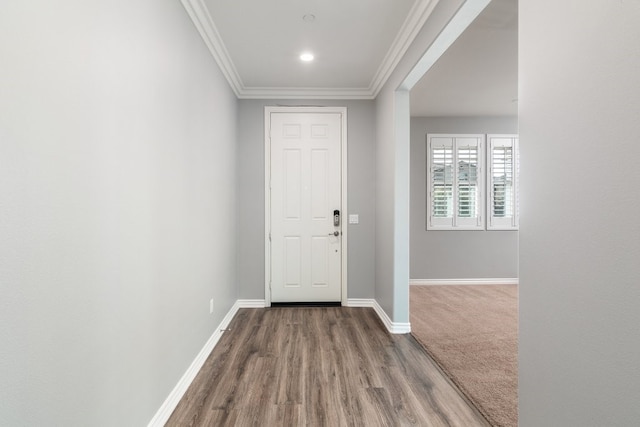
[267, 191]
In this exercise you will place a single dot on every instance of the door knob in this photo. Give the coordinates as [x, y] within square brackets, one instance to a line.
[335, 233]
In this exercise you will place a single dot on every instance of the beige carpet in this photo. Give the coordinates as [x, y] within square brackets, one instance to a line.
[472, 333]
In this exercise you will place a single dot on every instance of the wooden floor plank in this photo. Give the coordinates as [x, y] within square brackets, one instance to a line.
[319, 366]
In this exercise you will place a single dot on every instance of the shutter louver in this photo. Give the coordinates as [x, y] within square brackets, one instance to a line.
[502, 180]
[442, 182]
[467, 182]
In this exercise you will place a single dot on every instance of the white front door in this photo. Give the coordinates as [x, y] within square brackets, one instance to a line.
[306, 239]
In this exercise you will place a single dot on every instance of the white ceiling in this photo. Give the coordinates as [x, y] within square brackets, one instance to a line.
[356, 44]
[348, 38]
[478, 74]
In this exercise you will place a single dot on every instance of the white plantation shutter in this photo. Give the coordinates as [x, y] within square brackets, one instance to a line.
[442, 174]
[441, 182]
[502, 182]
[469, 180]
[455, 199]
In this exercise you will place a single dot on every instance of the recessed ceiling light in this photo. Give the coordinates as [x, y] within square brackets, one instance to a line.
[306, 57]
[309, 18]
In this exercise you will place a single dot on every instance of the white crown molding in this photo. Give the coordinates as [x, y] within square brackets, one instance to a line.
[204, 23]
[449, 34]
[304, 93]
[461, 282]
[199, 14]
[418, 15]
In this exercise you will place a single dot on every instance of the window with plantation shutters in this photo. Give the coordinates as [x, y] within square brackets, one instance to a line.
[502, 182]
[455, 182]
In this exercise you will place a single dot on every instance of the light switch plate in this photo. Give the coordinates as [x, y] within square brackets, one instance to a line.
[354, 219]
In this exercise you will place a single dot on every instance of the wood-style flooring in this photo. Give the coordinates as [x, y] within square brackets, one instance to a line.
[330, 366]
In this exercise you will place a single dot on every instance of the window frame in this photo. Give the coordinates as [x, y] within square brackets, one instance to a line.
[503, 223]
[456, 221]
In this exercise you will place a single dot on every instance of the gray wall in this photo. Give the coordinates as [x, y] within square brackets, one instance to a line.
[436, 254]
[579, 236]
[361, 194]
[392, 160]
[117, 149]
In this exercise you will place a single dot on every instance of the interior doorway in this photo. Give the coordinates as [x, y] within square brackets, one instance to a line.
[474, 82]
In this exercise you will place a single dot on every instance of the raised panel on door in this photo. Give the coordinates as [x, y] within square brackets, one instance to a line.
[320, 209]
[291, 262]
[320, 261]
[291, 174]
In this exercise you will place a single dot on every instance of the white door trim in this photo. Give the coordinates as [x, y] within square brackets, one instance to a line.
[267, 191]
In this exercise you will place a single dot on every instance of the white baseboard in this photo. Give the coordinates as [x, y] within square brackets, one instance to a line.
[392, 327]
[251, 303]
[440, 282]
[170, 403]
[360, 302]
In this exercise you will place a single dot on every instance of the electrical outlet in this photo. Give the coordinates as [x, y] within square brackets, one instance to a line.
[211, 306]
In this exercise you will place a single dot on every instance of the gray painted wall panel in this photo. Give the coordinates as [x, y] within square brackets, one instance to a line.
[361, 197]
[437, 254]
[117, 149]
[385, 180]
[579, 237]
